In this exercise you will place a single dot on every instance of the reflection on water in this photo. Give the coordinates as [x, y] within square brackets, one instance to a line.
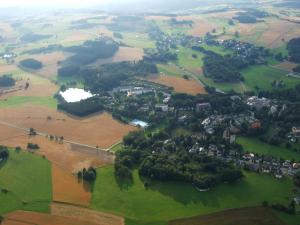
[75, 94]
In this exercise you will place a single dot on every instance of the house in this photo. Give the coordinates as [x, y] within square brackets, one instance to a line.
[255, 125]
[200, 107]
[296, 132]
[297, 200]
[258, 103]
[162, 107]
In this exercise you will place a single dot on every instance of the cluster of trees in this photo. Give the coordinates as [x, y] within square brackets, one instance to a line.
[31, 37]
[159, 55]
[82, 24]
[223, 68]
[294, 49]
[31, 64]
[171, 161]
[297, 69]
[250, 16]
[88, 175]
[175, 22]
[297, 179]
[4, 154]
[90, 51]
[33, 146]
[7, 81]
[44, 50]
[82, 108]
[131, 23]
[110, 76]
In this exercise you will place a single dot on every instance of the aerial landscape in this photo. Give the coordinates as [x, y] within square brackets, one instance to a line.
[136, 112]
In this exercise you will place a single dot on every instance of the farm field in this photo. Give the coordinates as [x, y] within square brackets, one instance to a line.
[263, 76]
[49, 61]
[245, 216]
[124, 54]
[27, 178]
[66, 188]
[256, 77]
[180, 85]
[59, 154]
[86, 215]
[102, 129]
[286, 66]
[256, 146]
[178, 200]
[25, 217]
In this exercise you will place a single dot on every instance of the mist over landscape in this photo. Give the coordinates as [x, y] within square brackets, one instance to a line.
[138, 112]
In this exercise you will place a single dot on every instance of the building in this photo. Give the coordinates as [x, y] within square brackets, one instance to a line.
[200, 107]
[296, 132]
[162, 107]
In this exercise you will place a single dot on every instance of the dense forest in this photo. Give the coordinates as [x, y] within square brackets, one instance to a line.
[43, 50]
[223, 68]
[90, 51]
[31, 64]
[7, 81]
[30, 37]
[160, 158]
[294, 49]
[82, 108]
[110, 76]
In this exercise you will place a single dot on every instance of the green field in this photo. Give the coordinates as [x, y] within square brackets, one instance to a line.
[27, 178]
[137, 40]
[256, 78]
[263, 76]
[256, 146]
[49, 102]
[162, 202]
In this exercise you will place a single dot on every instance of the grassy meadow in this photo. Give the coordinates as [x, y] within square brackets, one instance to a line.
[27, 178]
[256, 146]
[162, 202]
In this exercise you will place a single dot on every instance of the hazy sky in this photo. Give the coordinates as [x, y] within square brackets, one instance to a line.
[22, 3]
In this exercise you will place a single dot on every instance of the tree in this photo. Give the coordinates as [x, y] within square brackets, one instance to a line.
[90, 175]
[297, 179]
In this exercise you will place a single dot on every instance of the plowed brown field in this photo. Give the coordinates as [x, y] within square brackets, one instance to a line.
[88, 215]
[66, 188]
[180, 85]
[99, 130]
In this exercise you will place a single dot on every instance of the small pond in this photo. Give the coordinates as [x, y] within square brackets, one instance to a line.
[140, 123]
[75, 94]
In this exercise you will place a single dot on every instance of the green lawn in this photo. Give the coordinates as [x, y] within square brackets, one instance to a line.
[137, 40]
[256, 146]
[27, 178]
[21, 100]
[263, 76]
[187, 61]
[255, 77]
[165, 201]
[170, 70]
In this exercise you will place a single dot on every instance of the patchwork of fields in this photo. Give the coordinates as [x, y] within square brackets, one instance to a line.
[42, 185]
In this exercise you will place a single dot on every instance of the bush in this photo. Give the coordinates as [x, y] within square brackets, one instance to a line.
[31, 64]
[33, 146]
[7, 81]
